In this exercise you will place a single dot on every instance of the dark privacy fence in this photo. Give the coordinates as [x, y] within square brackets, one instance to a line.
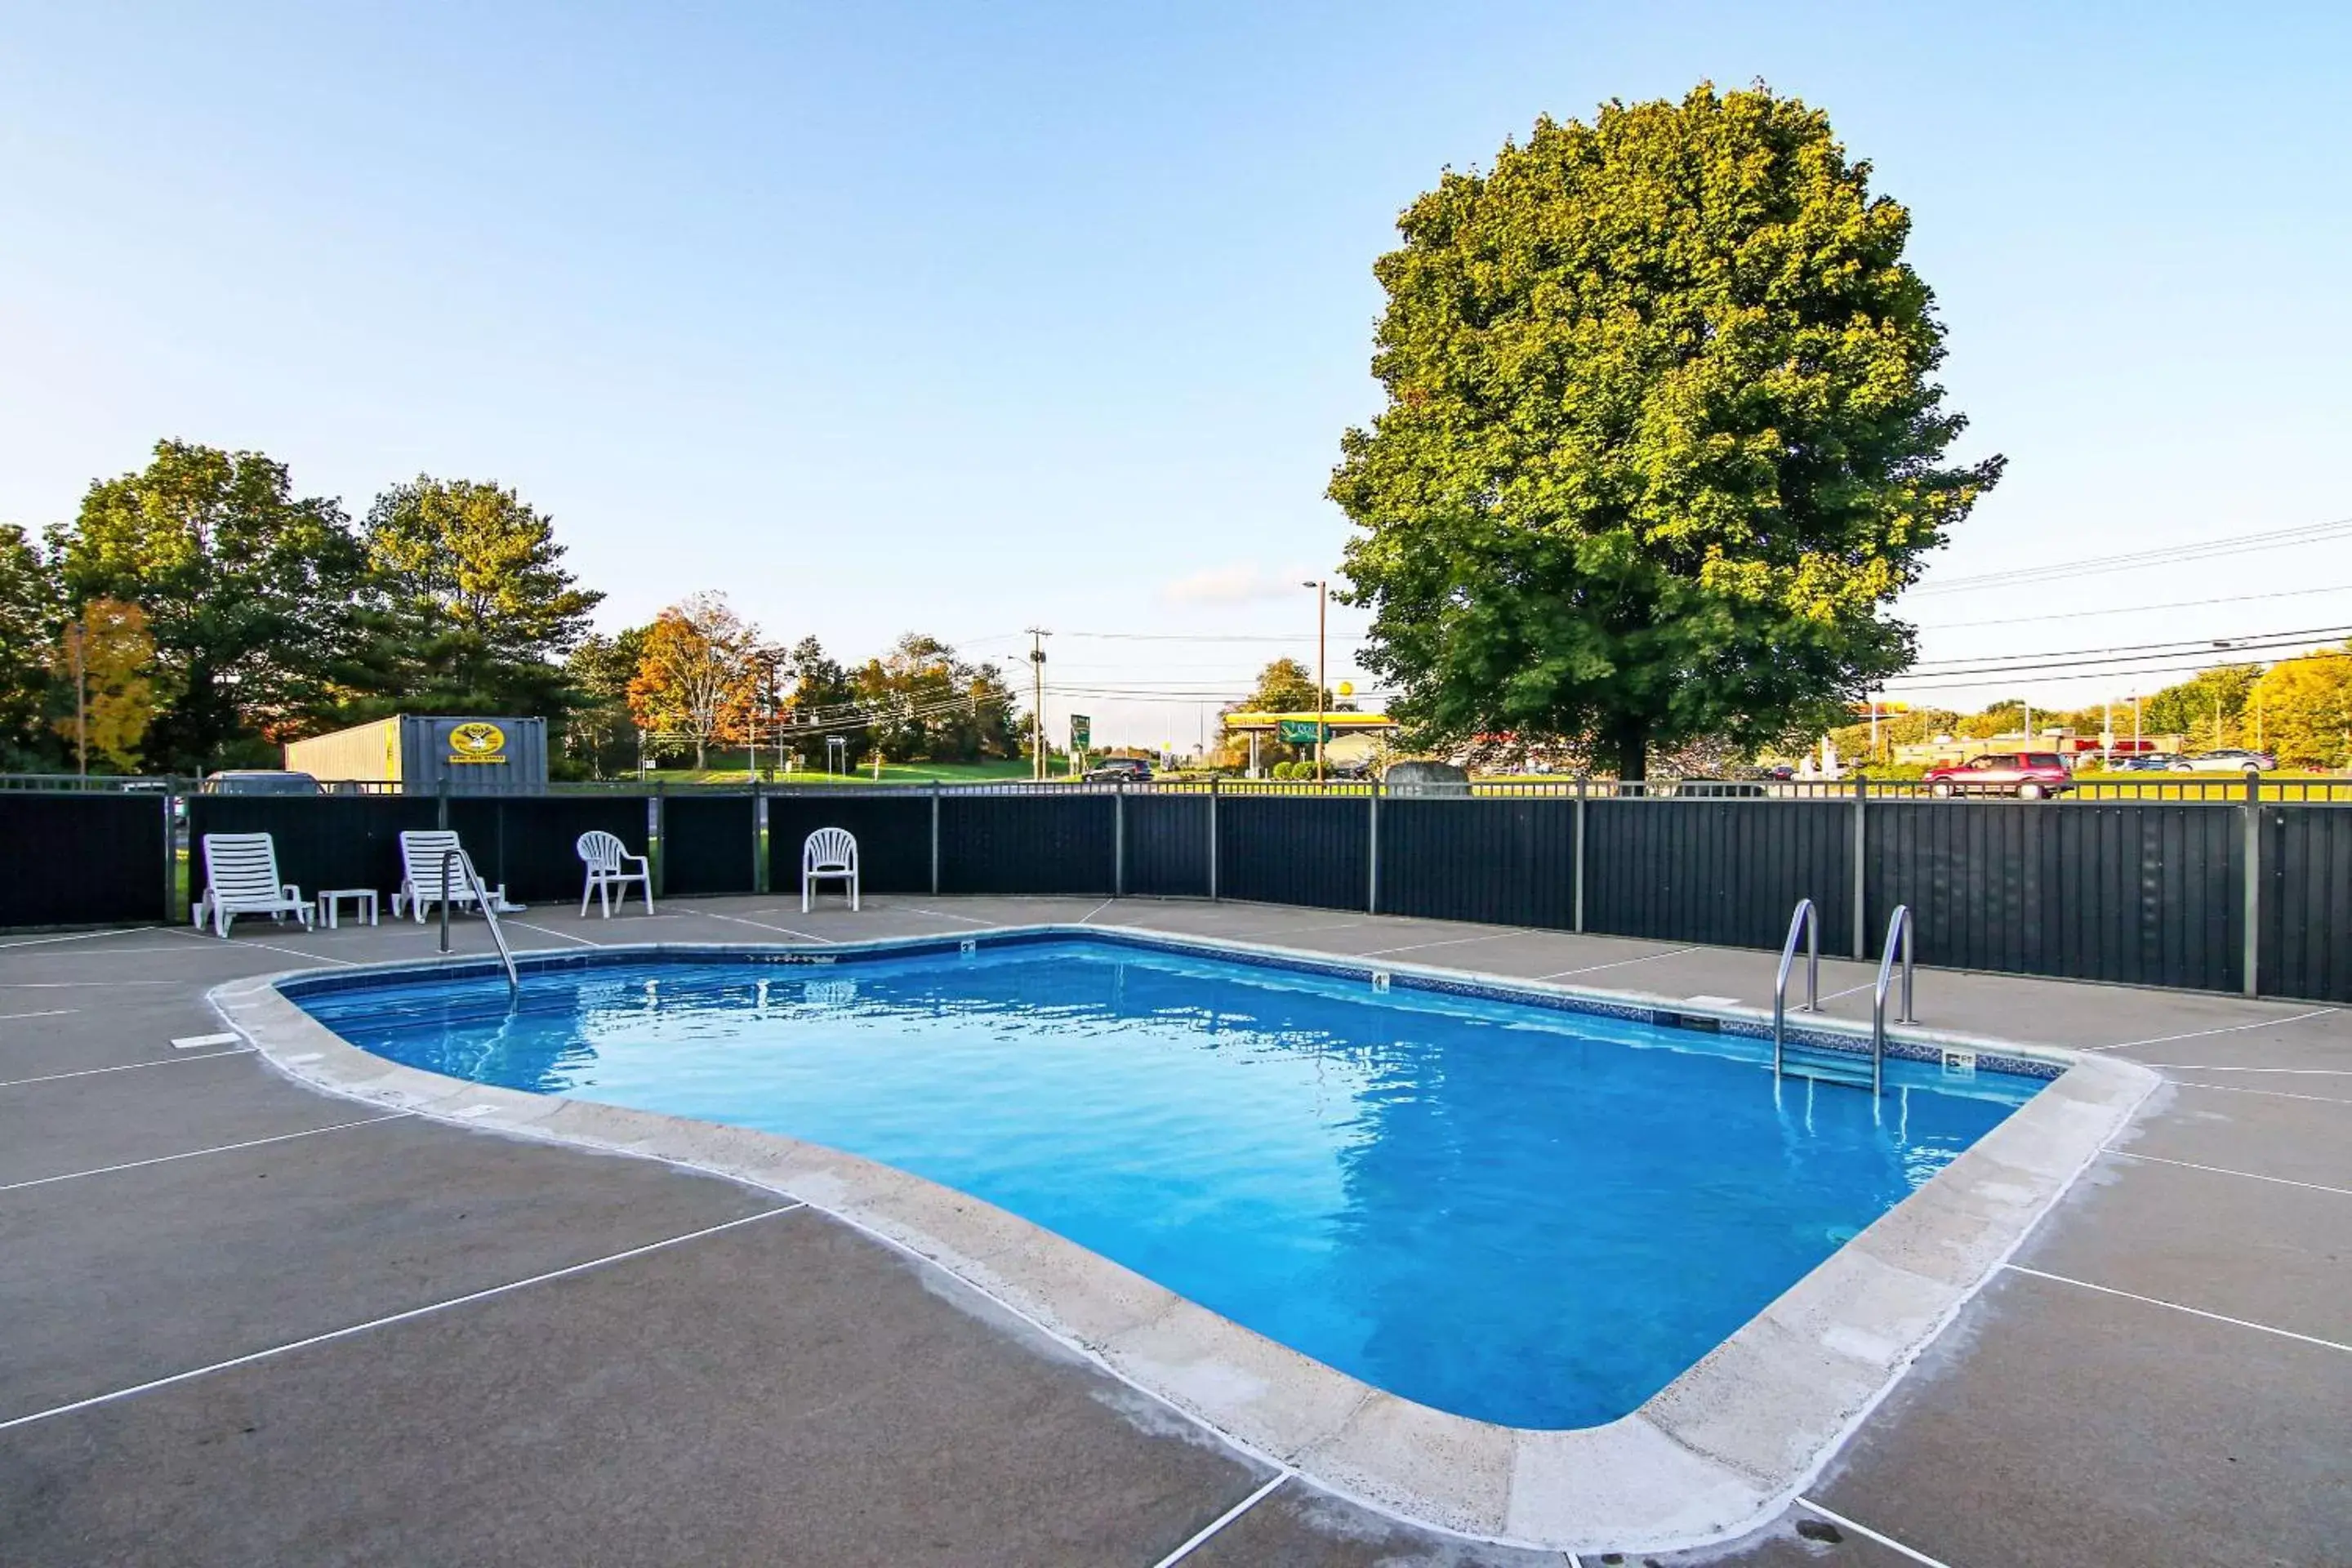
[2174, 893]
[84, 859]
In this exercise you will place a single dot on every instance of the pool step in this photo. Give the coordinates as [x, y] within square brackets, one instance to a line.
[1818, 1062]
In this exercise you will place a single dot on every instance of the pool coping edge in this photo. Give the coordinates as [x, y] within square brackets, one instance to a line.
[1723, 1448]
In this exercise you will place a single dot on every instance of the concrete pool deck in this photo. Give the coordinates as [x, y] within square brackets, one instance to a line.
[250, 1322]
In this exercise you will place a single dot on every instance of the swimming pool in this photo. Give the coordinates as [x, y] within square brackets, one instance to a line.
[1514, 1213]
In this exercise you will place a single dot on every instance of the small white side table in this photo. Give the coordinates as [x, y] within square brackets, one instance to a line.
[363, 901]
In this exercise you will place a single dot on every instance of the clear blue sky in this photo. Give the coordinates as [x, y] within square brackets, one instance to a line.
[968, 317]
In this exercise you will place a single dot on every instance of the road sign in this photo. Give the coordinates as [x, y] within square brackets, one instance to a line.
[1082, 731]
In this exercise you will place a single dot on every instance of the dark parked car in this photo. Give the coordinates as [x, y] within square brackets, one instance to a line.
[1134, 770]
[2150, 763]
[2028, 775]
[261, 781]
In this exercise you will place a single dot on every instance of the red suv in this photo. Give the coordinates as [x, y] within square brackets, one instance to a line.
[2028, 775]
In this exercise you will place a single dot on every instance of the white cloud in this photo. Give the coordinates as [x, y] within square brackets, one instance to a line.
[1242, 584]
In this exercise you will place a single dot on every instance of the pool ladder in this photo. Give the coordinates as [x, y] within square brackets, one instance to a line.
[452, 862]
[1827, 1066]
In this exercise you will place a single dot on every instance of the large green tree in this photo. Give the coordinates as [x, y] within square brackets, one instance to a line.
[471, 609]
[247, 589]
[1660, 440]
[600, 735]
[28, 620]
[2209, 708]
[926, 704]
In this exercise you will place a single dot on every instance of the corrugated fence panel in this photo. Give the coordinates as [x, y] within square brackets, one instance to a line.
[323, 841]
[1509, 861]
[530, 843]
[2307, 901]
[893, 833]
[1719, 871]
[1026, 843]
[1295, 849]
[81, 860]
[1167, 846]
[709, 843]
[2141, 893]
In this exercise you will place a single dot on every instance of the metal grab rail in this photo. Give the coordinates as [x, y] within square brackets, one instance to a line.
[1807, 921]
[450, 859]
[1897, 928]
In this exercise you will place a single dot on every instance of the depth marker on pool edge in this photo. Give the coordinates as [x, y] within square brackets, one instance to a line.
[205, 1042]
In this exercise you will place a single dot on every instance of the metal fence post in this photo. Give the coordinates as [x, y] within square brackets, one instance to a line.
[1212, 839]
[1373, 892]
[172, 858]
[1577, 860]
[759, 838]
[1861, 865]
[441, 796]
[935, 838]
[657, 830]
[1118, 840]
[2253, 856]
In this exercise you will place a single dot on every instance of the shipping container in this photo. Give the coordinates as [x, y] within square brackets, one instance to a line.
[422, 751]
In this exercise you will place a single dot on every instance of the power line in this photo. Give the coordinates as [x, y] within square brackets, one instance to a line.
[2135, 609]
[2132, 561]
[2204, 646]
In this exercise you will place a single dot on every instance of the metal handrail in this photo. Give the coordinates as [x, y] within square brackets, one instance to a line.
[451, 859]
[1808, 922]
[1899, 927]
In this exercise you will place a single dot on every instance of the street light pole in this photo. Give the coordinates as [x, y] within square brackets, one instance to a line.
[1322, 602]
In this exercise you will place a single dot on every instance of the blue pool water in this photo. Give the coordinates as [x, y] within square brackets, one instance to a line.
[1510, 1212]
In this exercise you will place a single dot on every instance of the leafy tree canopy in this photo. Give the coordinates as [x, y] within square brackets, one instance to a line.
[2207, 707]
[1661, 441]
[2306, 709]
[925, 703]
[697, 673]
[599, 736]
[101, 665]
[246, 588]
[28, 619]
[474, 610]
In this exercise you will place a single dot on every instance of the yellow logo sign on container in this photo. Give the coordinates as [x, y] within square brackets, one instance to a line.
[477, 742]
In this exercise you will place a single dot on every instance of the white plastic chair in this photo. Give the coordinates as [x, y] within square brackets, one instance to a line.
[830, 855]
[421, 853]
[607, 859]
[241, 878]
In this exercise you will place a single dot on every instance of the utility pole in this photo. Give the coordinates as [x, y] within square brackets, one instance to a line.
[1037, 703]
[1322, 602]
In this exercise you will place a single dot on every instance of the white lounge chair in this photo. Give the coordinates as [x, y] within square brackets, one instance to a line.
[608, 859]
[829, 856]
[422, 851]
[241, 878]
